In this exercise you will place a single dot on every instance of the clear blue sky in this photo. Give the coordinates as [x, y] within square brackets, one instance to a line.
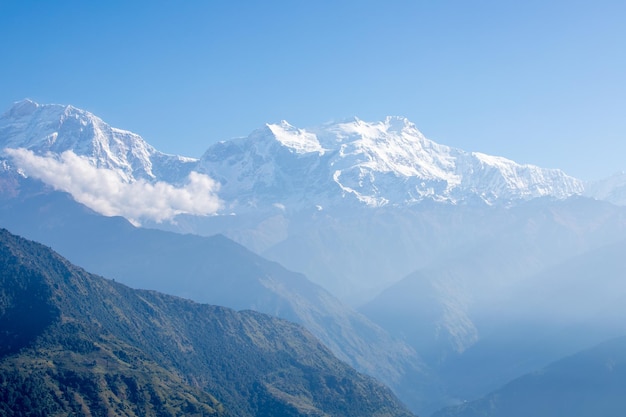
[540, 82]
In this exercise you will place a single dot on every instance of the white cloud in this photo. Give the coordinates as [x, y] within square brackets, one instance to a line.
[104, 191]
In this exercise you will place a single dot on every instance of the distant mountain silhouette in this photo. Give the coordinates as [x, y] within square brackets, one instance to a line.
[588, 384]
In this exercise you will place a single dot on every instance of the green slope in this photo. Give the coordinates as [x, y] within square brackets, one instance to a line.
[75, 343]
[212, 270]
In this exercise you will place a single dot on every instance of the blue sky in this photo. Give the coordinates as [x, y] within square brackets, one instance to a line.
[540, 82]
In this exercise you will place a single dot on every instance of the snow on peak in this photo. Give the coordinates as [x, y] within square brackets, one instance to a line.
[397, 123]
[112, 171]
[58, 128]
[298, 140]
[611, 189]
[393, 146]
[21, 108]
[55, 128]
[389, 162]
[496, 161]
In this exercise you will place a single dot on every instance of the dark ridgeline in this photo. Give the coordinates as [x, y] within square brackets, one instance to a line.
[74, 343]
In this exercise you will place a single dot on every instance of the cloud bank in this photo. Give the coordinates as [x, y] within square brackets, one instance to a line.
[104, 191]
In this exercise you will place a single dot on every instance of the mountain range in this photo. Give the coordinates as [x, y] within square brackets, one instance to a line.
[376, 164]
[466, 269]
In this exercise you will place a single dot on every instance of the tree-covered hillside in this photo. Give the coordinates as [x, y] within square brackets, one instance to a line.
[77, 344]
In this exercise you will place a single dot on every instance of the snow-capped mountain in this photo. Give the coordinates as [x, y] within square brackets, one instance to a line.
[55, 129]
[452, 260]
[377, 164]
[611, 189]
[388, 163]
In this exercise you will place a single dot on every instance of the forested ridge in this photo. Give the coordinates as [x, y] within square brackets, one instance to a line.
[94, 346]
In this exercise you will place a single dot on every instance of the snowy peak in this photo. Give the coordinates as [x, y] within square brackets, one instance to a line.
[54, 128]
[21, 109]
[396, 148]
[297, 140]
[392, 146]
[496, 177]
[611, 189]
[389, 162]
[370, 129]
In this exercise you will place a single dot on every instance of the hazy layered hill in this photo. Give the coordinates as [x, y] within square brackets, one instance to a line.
[509, 305]
[360, 252]
[213, 270]
[509, 259]
[77, 343]
[588, 384]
